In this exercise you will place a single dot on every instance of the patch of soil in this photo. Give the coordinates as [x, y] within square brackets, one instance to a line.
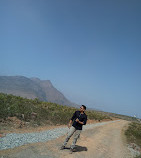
[14, 125]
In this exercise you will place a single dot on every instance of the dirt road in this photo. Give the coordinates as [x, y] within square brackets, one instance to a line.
[106, 141]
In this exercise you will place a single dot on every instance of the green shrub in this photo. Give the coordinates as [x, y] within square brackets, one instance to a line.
[133, 133]
[138, 156]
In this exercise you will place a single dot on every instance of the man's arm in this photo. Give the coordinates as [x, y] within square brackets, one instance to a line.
[77, 120]
[69, 125]
[82, 123]
[85, 120]
[73, 116]
[70, 122]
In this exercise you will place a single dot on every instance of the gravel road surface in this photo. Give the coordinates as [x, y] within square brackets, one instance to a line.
[14, 139]
[99, 140]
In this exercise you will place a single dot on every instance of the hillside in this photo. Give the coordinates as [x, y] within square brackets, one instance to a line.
[37, 112]
[32, 88]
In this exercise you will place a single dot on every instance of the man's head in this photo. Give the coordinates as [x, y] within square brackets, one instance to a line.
[82, 108]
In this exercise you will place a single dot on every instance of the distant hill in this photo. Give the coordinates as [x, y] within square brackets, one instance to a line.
[33, 88]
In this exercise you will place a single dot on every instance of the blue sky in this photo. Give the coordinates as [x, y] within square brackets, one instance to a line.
[90, 50]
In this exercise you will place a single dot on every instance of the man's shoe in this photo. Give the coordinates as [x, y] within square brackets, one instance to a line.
[71, 150]
[62, 147]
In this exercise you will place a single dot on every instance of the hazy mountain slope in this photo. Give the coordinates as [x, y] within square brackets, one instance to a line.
[52, 94]
[32, 88]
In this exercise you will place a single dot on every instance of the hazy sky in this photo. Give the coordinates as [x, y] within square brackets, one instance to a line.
[89, 49]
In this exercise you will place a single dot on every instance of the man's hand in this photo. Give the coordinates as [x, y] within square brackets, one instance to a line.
[69, 125]
[77, 120]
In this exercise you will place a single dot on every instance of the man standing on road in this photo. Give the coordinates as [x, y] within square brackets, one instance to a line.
[78, 119]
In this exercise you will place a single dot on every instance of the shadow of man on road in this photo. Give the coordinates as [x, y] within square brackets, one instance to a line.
[78, 148]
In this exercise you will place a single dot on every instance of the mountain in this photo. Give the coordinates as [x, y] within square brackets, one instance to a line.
[33, 88]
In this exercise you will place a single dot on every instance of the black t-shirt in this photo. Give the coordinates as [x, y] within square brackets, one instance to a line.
[81, 117]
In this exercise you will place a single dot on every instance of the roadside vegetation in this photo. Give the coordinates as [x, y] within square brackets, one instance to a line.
[138, 156]
[37, 112]
[120, 116]
[133, 134]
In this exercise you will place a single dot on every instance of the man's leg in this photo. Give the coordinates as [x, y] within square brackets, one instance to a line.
[76, 136]
[70, 133]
